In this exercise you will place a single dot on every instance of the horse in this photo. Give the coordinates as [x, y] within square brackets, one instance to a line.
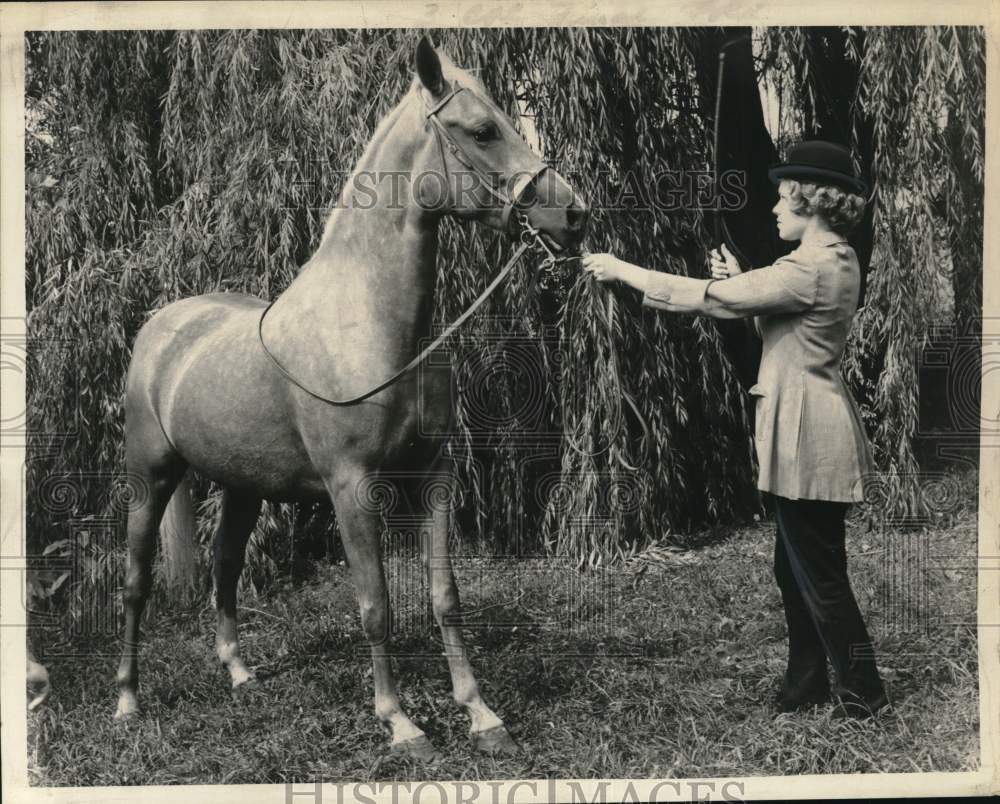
[38, 682]
[203, 393]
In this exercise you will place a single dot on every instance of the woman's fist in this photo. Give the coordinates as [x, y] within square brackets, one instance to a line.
[603, 267]
[723, 265]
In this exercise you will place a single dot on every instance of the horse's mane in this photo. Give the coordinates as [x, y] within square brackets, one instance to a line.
[451, 72]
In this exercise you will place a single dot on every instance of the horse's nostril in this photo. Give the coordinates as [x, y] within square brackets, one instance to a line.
[576, 216]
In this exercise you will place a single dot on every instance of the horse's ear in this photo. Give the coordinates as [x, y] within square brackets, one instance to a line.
[429, 67]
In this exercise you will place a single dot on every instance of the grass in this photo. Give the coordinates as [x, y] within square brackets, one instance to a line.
[661, 669]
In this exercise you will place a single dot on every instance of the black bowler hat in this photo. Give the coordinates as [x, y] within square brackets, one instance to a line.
[818, 160]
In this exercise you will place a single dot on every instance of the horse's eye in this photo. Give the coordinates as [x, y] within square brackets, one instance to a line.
[485, 134]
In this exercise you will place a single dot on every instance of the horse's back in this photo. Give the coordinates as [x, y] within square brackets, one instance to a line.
[199, 369]
[198, 312]
[185, 327]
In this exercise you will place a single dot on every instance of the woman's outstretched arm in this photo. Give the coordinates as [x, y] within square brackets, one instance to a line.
[787, 286]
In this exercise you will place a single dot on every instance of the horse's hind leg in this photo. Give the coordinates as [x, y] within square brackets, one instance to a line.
[487, 731]
[239, 514]
[154, 469]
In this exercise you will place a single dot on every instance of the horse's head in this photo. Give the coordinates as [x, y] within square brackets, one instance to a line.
[490, 172]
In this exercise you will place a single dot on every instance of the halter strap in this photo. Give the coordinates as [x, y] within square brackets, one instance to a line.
[455, 89]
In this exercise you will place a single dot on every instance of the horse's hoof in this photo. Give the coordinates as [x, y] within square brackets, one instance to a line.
[248, 691]
[495, 741]
[37, 683]
[419, 748]
[248, 681]
[128, 706]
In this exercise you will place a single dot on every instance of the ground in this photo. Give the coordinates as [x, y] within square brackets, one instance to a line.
[660, 669]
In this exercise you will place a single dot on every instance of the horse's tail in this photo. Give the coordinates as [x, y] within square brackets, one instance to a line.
[179, 543]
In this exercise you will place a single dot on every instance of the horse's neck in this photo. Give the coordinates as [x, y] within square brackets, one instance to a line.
[363, 301]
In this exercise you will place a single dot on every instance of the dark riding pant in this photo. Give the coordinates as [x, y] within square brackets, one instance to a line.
[810, 565]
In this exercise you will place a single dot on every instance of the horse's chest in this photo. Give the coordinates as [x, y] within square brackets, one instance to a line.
[419, 422]
[402, 426]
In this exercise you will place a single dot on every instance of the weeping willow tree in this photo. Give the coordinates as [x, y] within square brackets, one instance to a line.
[911, 101]
[166, 164]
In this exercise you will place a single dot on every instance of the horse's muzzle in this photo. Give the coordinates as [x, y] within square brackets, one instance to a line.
[555, 210]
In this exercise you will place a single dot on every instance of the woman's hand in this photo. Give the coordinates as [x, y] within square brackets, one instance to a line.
[604, 267]
[724, 265]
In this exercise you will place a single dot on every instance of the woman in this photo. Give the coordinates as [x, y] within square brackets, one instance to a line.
[811, 445]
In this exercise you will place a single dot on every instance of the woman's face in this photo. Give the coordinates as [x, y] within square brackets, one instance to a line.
[791, 225]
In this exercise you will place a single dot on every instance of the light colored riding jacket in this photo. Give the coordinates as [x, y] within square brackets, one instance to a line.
[811, 443]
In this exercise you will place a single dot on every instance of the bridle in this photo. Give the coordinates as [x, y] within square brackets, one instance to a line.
[528, 235]
[530, 238]
[446, 140]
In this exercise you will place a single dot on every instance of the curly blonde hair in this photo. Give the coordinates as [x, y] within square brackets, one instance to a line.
[839, 208]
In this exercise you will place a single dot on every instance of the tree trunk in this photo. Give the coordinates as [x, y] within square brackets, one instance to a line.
[835, 77]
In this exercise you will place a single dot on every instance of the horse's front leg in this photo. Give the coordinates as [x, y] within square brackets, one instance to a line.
[361, 532]
[487, 731]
